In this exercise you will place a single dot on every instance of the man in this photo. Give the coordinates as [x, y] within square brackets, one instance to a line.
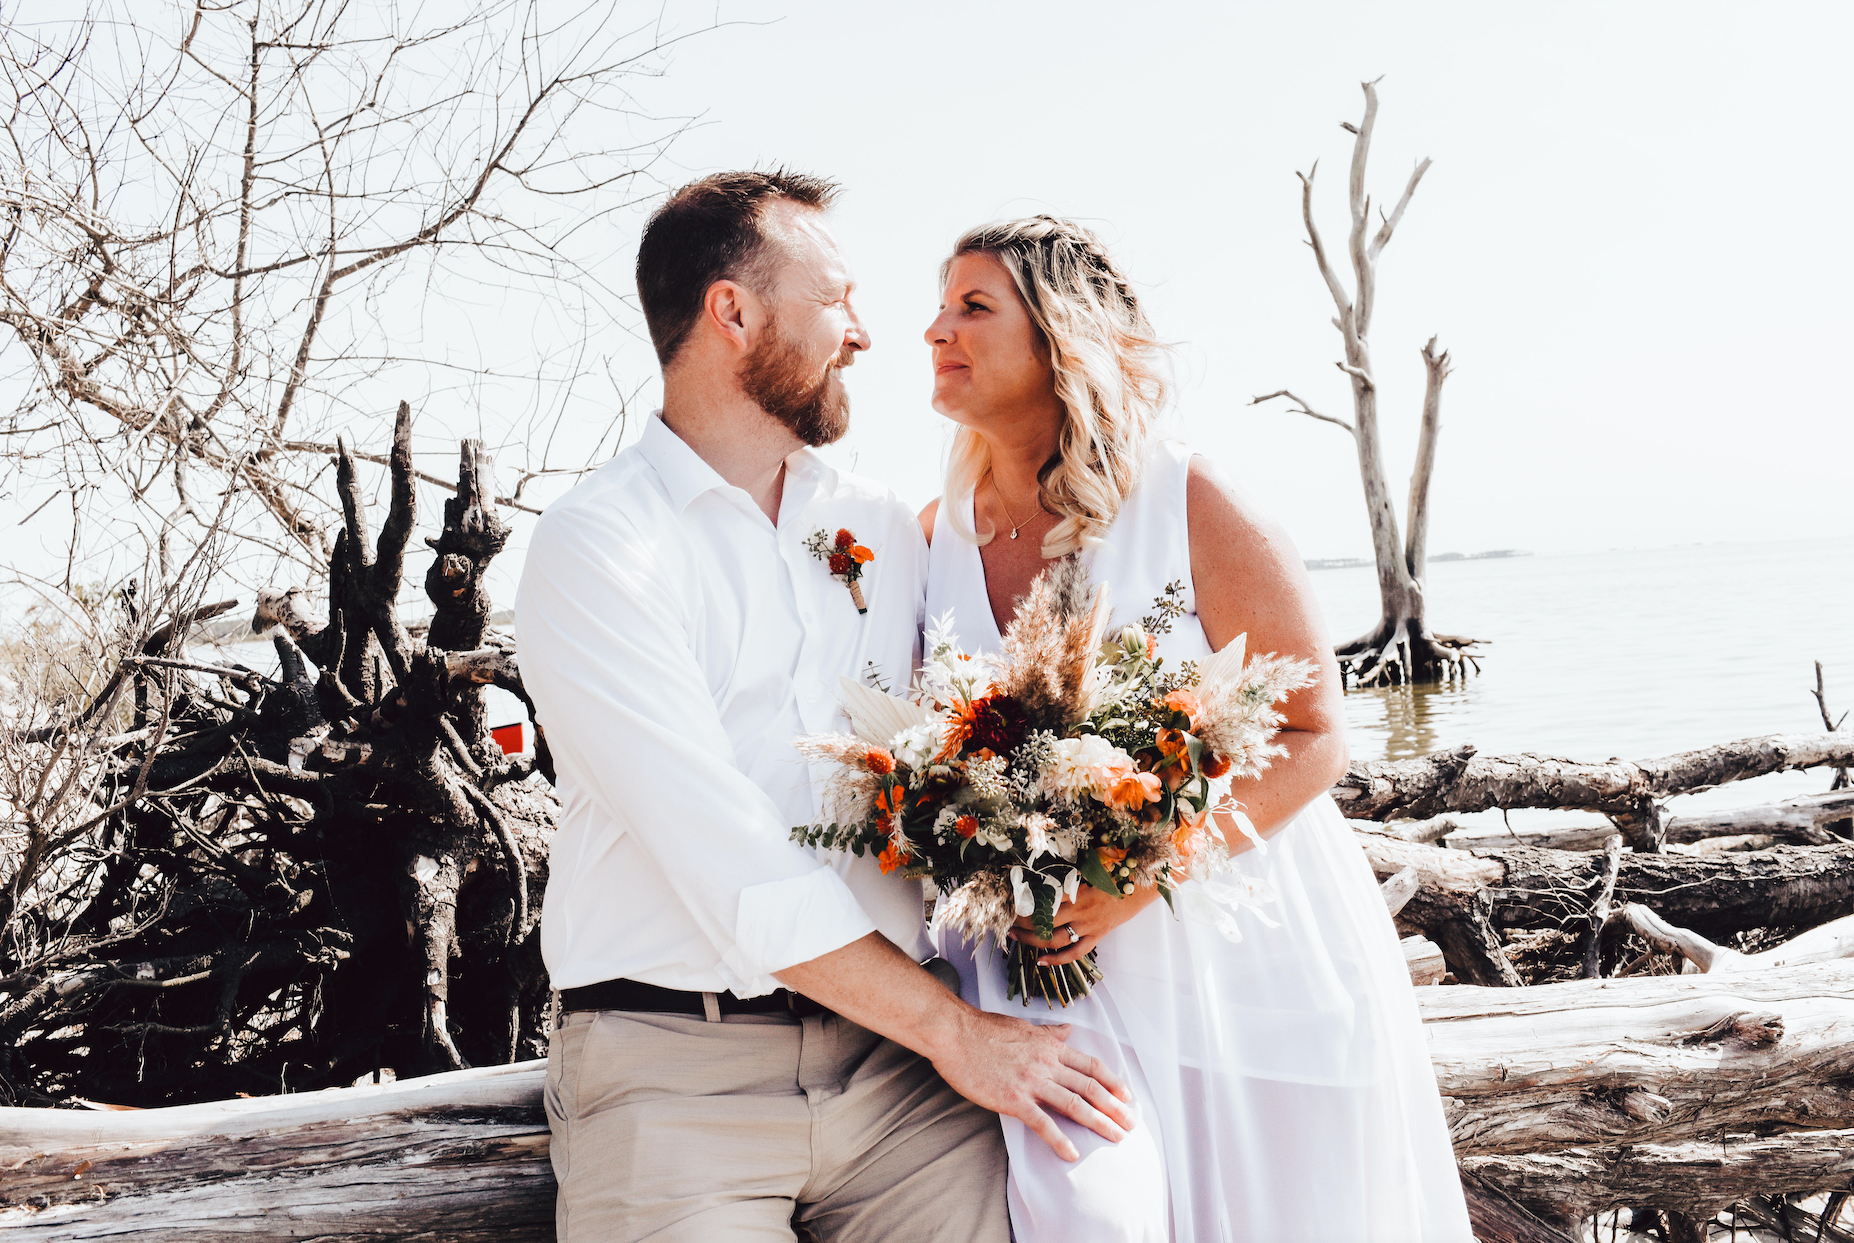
[748, 1038]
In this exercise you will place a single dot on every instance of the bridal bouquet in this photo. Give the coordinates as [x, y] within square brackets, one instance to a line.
[1071, 758]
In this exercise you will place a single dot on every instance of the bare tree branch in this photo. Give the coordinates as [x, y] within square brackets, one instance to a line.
[1301, 407]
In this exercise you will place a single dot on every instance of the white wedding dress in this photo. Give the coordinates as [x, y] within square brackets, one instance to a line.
[1282, 1083]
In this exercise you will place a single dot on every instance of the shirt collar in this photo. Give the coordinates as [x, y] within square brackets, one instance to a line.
[686, 476]
[683, 472]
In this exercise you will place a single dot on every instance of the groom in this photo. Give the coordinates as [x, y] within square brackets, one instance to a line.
[747, 1036]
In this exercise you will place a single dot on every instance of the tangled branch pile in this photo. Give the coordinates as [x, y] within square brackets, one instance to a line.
[1665, 1027]
[221, 883]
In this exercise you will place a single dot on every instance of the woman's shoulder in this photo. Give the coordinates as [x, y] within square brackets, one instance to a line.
[930, 511]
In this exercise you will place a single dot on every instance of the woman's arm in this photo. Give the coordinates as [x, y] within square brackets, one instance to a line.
[1250, 580]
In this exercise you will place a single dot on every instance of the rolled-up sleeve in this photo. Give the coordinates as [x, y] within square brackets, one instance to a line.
[629, 717]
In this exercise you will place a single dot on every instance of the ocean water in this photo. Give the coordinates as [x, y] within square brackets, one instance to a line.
[1633, 653]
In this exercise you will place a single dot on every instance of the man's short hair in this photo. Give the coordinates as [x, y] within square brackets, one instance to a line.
[708, 231]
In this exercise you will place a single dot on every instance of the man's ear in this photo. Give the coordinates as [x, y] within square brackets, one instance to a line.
[734, 312]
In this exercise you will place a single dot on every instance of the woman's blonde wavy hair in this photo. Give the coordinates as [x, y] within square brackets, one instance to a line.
[1107, 365]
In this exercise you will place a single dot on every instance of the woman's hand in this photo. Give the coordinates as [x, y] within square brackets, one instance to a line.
[1092, 915]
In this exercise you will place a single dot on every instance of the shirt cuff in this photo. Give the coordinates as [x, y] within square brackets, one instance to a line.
[785, 922]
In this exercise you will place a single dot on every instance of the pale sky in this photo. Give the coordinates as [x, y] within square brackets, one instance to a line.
[1630, 240]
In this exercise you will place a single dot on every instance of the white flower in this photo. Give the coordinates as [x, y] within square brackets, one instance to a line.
[1071, 886]
[1025, 900]
[916, 745]
[1081, 766]
[949, 674]
[1036, 837]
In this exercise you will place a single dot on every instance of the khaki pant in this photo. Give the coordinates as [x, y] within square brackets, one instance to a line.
[670, 1128]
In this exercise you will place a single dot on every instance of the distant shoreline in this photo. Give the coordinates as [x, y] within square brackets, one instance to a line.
[1353, 563]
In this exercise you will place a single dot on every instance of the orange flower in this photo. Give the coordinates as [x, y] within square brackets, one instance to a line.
[1132, 791]
[1111, 856]
[844, 539]
[862, 555]
[1182, 700]
[880, 762]
[893, 857]
[839, 563]
[958, 729]
[1171, 743]
[1152, 648]
[1213, 765]
[966, 826]
[1190, 833]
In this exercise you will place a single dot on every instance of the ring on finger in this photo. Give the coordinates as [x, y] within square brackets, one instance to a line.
[1074, 936]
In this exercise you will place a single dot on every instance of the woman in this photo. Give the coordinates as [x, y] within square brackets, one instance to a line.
[1283, 1085]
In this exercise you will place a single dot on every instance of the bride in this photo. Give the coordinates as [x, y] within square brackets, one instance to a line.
[1284, 1091]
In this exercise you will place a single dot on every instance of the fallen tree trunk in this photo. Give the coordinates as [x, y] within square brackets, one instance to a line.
[1696, 1179]
[1464, 898]
[1799, 821]
[1590, 1065]
[1657, 1059]
[459, 1156]
[1461, 781]
[1831, 941]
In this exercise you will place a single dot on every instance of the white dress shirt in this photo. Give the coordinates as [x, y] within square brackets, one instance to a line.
[675, 642]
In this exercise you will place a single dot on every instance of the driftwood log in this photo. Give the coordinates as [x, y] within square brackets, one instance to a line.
[1659, 1059]
[1465, 899]
[1694, 1178]
[460, 1156]
[1459, 780]
[1630, 1081]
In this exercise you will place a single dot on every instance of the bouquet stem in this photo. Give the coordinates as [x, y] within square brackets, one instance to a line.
[1057, 985]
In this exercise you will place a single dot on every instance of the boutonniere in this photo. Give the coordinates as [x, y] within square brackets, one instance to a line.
[846, 559]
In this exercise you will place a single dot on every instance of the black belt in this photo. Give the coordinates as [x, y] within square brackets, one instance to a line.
[631, 995]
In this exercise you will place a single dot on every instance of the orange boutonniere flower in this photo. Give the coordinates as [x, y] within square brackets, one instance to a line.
[845, 558]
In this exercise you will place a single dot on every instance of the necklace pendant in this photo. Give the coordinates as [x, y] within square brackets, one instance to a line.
[1013, 532]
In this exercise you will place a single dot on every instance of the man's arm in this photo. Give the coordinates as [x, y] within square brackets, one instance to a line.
[1004, 1064]
[629, 716]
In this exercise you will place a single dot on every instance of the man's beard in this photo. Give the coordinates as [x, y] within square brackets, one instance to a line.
[784, 384]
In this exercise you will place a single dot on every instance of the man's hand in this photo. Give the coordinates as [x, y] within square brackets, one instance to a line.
[1093, 915]
[1001, 1063]
[1020, 1069]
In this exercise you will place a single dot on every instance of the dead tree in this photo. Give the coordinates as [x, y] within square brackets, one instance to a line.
[1401, 647]
[278, 884]
[220, 223]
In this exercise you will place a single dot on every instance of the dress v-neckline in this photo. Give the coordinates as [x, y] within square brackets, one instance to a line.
[984, 586]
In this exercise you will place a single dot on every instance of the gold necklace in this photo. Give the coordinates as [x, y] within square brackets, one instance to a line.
[999, 492]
